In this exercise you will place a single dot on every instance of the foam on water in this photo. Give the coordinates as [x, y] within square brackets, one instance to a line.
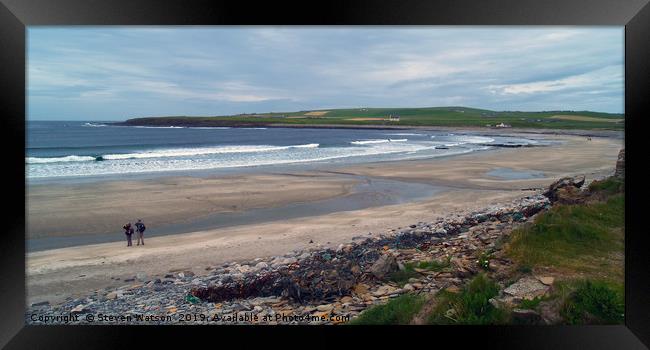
[73, 158]
[215, 159]
[406, 134]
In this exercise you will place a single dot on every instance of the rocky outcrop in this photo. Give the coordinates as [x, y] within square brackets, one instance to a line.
[620, 165]
[566, 190]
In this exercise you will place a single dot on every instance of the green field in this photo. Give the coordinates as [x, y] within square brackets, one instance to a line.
[434, 116]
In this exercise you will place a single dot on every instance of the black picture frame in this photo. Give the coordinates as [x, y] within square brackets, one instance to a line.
[15, 15]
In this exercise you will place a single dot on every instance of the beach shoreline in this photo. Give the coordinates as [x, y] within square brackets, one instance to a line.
[55, 274]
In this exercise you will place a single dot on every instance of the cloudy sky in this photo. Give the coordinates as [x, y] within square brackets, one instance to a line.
[116, 73]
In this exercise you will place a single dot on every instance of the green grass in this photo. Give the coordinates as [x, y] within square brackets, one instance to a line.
[594, 302]
[470, 306]
[532, 304]
[400, 310]
[434, 265]
[401, 277]
[608, 187]
[574, 238]
[433, 116]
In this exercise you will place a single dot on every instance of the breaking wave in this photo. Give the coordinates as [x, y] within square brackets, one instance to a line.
[177, 152]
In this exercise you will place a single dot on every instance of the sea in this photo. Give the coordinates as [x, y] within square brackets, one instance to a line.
[99, 150]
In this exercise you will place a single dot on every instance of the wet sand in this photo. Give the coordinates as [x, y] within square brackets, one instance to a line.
[55, 274]
[57, 210]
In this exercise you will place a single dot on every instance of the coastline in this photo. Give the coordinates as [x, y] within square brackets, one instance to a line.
[53, 273]
[480, 129]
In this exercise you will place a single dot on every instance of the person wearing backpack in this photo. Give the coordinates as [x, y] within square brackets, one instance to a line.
[140, 228]
[128, 231]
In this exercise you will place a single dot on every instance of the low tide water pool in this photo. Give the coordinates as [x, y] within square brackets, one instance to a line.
[515, 174]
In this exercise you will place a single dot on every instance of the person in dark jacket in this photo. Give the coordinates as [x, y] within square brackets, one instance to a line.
[128, 231]
[140, 229]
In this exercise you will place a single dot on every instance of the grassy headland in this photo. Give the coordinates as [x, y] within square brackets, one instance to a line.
[432, 116]
[581, 245]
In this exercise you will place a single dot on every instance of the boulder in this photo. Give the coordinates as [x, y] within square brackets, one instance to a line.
[385, 265]
[566, 190]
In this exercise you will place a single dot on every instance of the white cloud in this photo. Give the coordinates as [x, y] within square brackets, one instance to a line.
[588, 80]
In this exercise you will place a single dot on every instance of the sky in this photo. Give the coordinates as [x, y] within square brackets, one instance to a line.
[120, 72]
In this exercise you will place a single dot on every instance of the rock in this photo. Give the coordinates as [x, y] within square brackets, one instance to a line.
[565, 189]
[347, 299]
[550, 311]
[111, 295]
[546, 280]
[385, 265]
[261, 265]
[325, 308]
[620, 165]
[527, 288]
[496, 303]
[78, 309]
[42, 303]
[453, 289]
[526, 316]
[384, 290]
[360, 289]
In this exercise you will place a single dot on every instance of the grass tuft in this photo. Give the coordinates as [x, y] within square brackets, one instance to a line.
[594, 302]
[400, 310]
[470, 306]
[401, 277]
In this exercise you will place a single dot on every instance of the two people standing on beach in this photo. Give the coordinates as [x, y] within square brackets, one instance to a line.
[128, 231]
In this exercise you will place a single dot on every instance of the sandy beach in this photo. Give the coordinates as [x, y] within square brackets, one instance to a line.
[58, 210]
